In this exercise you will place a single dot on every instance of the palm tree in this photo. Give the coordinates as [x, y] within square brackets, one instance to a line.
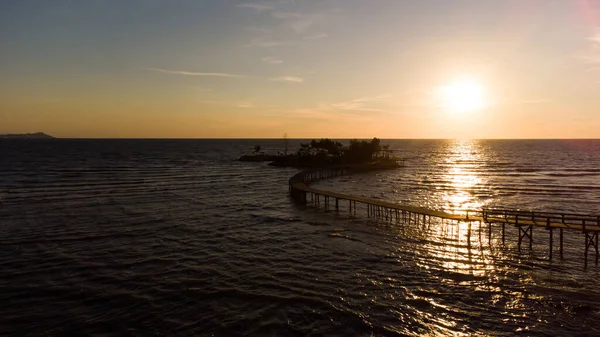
[386, 151]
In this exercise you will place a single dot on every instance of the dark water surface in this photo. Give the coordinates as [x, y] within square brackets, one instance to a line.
[175, 238]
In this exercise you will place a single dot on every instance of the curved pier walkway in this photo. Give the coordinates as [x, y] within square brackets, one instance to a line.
[525, 221]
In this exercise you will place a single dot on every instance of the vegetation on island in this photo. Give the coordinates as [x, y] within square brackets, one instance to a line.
[326, 152]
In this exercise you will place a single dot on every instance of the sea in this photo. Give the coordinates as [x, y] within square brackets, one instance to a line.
[153, 237]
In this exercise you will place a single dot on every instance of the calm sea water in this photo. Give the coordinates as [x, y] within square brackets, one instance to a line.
[176, 238]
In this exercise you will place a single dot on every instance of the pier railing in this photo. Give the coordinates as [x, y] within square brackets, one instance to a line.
[524, 220]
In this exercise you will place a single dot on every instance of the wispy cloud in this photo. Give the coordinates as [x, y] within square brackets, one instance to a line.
[259, 7]
[592, 54]
[240, 104]
[266, 43]
[367, 103]
[589, 57]
[298, 22]
[360, 109]
[191, 73]
[202, 89]
[245, 105]
[537, 101]
[286, 15]
[272, 60]
[316, 36]
[258, 30]
[289, 79]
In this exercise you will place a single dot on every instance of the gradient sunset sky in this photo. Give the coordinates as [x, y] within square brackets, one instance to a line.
[330, 68]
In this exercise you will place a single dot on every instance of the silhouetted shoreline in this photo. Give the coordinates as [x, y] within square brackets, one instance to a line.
[37, 135]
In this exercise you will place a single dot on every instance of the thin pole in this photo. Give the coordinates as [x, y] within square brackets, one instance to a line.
[561, 243]
[551, 231]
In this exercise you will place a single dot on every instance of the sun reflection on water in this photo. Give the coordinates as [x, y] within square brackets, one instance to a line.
[463, 160]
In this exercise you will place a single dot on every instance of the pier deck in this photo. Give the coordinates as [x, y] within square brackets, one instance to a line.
[525, 221]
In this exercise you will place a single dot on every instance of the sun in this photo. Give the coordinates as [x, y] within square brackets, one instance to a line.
[464, 95]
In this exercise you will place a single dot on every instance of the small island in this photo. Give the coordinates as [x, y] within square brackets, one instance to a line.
[37, 135]
[327, 152]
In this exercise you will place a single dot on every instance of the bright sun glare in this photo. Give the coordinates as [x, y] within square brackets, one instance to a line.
[462, 96]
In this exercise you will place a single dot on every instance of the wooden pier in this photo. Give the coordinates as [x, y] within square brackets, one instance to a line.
[524, 221]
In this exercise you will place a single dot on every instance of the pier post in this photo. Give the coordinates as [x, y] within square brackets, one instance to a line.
[591, 240]
[561, 243]
[337, 204]
[468, 234]
[527, 232]
[530, 237]
[503, 232]
[551, 241]
[585, 254]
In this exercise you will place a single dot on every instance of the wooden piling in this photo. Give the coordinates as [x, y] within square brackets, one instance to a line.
[550, 245]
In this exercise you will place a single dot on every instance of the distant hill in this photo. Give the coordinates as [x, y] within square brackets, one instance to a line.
[37, 135]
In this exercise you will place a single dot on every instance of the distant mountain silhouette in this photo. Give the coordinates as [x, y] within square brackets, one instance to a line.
[37, 135]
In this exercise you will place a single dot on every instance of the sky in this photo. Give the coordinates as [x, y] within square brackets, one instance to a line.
[328, 68]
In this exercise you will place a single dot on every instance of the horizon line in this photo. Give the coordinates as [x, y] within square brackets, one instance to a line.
[269, 138]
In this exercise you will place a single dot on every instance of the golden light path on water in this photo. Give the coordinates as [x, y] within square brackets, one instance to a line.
[460, 250]
[463, 153]
[466, 250]
[466, 269]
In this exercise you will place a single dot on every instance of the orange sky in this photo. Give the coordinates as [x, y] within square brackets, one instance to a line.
[338, 69]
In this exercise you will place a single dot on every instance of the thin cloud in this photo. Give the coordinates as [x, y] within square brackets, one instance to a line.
[289, 79]
[298, 22]
[316, 36]
[286, 15]
[241, 104]
[258, 30]
[590, 57]
[202, 89]
[363, 104]
[592, 54]
[267, 43]
[245, 105]
[596, 38]
[259, 7]
[537, 101]
[191, 73]
[272, 60]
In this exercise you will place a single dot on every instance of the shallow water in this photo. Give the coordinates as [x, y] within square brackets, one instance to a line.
[155, 237]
